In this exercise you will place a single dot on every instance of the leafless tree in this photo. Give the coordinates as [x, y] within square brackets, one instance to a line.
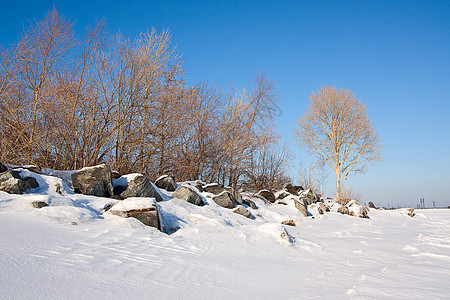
[337, 129]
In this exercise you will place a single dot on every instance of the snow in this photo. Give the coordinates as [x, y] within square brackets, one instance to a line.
[72, 249]
[133, 203]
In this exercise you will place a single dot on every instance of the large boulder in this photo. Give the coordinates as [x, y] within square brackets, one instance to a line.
[244, 212]
[140, 186]
[12, 183]
[356, 209]
[225, 199]
[294, 190]
[144, 210]
[268, 195]
[288, 222]
[282, 195]
[249, 203]
[323, 206]
[343, 210]
[214, 188]
[301, 208]
[166, 182]
[95, 181]
[309, 197]
[237, 196]
[3, 168]
[371, 205]
[185, 193]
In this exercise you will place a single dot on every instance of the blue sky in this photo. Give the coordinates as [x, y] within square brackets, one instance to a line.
[394, 55]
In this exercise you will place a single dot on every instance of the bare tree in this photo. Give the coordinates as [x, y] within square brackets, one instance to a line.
[337, 129]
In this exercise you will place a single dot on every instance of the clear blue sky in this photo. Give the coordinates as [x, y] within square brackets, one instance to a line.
[394, 55]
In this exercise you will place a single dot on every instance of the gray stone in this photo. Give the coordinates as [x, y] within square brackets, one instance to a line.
[282, 195]
[309, 197]
[301, 208]
[187, 194]
[237, 196]
[323, 206]
[12, 183]
[167, 183]
[281, 203]
[343, 210]
[269, 196]
[243, 211]
[292, 189]
[214, 188]
[140, 186]
[225, 199]
[94, 181]
[356, 209]
[249, 203]
[371, 205]
[148, 216]
[39, 204]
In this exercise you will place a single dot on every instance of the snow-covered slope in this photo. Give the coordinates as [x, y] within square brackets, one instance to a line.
[72, 249]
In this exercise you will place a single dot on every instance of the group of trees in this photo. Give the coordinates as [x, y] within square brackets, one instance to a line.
[68, 102]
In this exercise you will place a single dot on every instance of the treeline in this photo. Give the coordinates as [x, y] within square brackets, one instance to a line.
[68, 102]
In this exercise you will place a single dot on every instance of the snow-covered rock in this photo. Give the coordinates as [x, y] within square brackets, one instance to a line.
[225, 199]
[94, 181]
[145, 210]
[135, 185]
[166, 182]
[356, 209]
[244, 212]
[301, 208]
[268, 195]
[186, 193]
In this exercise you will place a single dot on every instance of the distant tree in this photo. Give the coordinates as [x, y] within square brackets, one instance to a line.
[337, 129]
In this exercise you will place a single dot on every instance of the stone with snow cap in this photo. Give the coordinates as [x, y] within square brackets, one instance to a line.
[301, 208]
[214, 188]
[12, 183]
[225, 199]
[356, 209]
[95, 181]
[166, 182]
[185, 193]
[144, 210]
[244, 212]
[268, 195]
[136, 185]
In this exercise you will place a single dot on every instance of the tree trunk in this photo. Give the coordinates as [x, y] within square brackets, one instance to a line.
[338, 186]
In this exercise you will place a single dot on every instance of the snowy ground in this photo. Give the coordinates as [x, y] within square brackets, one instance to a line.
[72, 250]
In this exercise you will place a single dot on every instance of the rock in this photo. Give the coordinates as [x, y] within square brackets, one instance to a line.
[147, 213]
[12, 183]
[237, 196]
[294, 190]
[39, 204]
[323, 206]
[3, 168]
[281, 203]
[269, 196]
[140, 186]
[320, 211]
[411, 212]
[225, 199]
[371, 205]
[343, 210]
[288, 222]
[301, 208]
[243, 211]
[282, 195]
[185, 193]
[356, 209]
[214, 188]
[33, 168]
[249, 203]
[166, 182]
[308, 197]
[115, 175]
[94, 181]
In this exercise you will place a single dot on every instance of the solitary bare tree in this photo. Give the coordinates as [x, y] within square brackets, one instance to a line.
[337, 129]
